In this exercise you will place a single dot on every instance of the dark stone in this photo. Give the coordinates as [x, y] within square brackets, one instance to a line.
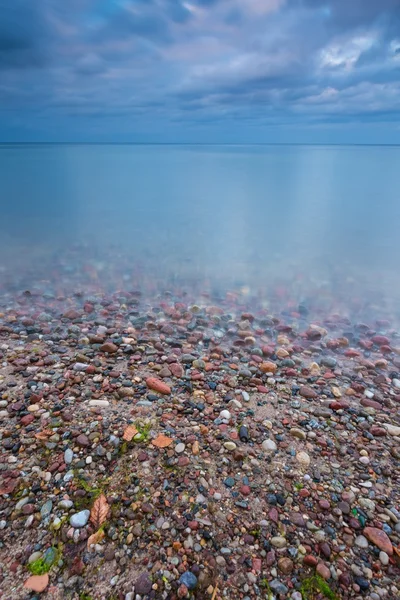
[143, 584]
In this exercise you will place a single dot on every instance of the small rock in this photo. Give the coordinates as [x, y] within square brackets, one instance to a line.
[158, 386]
[225, 414]
[37, 583]
[143, 584]
[298, 433]
[269, 445]
[278, 542]
[80, 519]
[189, 580]
[379, 538]
[303, 458]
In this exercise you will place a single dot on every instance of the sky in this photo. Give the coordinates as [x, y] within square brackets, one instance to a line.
[201, 71]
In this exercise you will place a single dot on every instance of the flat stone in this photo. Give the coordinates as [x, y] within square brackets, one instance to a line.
[285, 565]
[37, 583]
[278, 587]
[46, 509]
[158, 386]
[361, 541]
[323, 571]
[269, 445]
[189, 580]
[109, 347]
[68, 456]
[307, 392]
[83, 440]
[80, 519]
[379, 538]
[225, 414]
[392, 429]
[278, 542]
[298, 433]
[143, 584]
[229, 445]
[384, 558]
[99, 403]
[303, 458]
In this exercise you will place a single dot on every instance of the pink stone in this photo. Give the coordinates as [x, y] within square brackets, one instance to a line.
[379, 538]
[37, 583]
[273, 515]
[323, 571]
[109, 347]
[307, 392]
[176, 369]
[256, 565]
[27, 419]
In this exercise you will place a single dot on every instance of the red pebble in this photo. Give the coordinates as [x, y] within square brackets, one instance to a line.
[158, 386]
[310, 560]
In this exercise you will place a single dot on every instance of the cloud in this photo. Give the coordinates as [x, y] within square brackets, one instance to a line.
[23, 34]
[199, 61]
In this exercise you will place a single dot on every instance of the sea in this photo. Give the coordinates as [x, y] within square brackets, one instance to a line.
[316, 223]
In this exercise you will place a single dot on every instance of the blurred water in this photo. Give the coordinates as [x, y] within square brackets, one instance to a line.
[227, 215]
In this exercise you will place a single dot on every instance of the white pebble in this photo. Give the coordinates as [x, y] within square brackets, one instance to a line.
[225, 414]
[269, 445]
[99, 403]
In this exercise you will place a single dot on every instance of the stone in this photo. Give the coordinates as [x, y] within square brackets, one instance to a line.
[269, 445]
[68, 456]
[323, 571]
[225, 414]
[392, 429]
[189, 580]
[361, 541]
[80, 519]
[384, 558]
[379, 538]
[99, 403]
[109, 347]
[285, 565]
[303, 459]
[268, 367]
[158, 386]
[46, 509]
[307, 392]
[278, 542]
[37, 583]
[298, 433]
[229, 445]
[83, 440]
[278, 587]
[143, 584]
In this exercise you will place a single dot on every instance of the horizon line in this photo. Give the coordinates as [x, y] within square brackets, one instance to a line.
[87, 143]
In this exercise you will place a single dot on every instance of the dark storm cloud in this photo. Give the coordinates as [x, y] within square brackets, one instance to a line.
[23, 34]
[199, 61]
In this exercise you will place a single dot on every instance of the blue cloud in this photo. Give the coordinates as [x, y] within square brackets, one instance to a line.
[132, 62]
[23, 34]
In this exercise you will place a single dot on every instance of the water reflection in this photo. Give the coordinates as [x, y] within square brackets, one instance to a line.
[225, 215]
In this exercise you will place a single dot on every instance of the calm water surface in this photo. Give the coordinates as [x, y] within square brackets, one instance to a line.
[221, 215]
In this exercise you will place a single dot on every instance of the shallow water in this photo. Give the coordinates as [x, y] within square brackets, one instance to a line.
[216, 217]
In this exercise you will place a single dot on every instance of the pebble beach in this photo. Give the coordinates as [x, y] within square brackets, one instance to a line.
[163, 441]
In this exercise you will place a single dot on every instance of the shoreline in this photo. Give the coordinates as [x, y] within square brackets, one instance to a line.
[309, 487]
